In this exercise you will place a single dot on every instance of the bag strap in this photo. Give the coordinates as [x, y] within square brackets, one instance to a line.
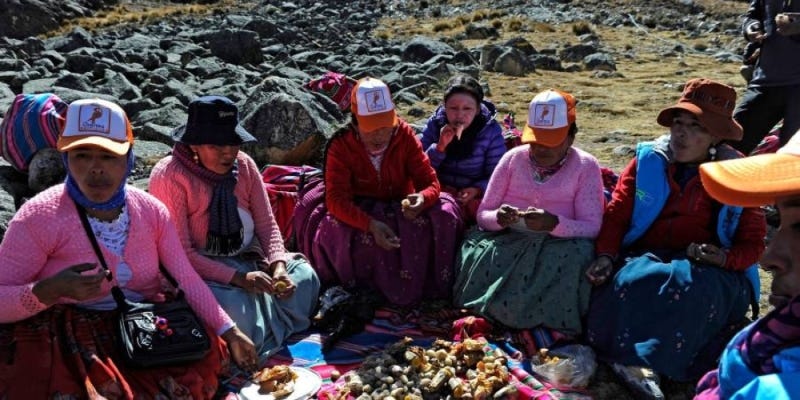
[116, 292]
[119, 296]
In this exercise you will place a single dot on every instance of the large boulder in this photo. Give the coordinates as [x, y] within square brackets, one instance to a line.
[290, 123]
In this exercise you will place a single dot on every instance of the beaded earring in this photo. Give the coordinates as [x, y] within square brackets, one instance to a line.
[712, 153]
[195, 158]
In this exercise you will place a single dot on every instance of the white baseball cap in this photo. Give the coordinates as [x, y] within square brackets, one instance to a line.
[96, 122]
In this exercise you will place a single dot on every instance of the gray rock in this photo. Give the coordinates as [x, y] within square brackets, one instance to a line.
[38, 85]
[169, 115]
[578, 52]
[78, 38]
[489, 54]
[475, 31]
[546, 62]
[81, 61]
[119, 86]
[600, 61]
[521, 44]
[70, 95]
[236, 46]
[45, 169]
[420, 49]
[512, 62]
[74, 81]
[281, 115]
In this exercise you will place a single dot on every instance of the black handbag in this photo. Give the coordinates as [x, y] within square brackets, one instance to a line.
[155, 334]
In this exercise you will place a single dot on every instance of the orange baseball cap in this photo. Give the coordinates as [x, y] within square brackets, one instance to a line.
[756, 180]
[98, 123]
[371, 103]
[550, 115]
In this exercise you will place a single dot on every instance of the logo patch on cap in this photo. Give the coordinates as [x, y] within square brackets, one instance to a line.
[375, 101]
[544, 115]
[94, 118]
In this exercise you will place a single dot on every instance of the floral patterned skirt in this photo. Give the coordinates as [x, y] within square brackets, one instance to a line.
[666, 315]
[525, 279]
[71, 353]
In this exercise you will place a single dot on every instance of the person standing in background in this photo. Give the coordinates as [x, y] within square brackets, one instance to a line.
[773, 93]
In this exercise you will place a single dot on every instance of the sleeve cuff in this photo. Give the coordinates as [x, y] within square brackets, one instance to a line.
[224, 328]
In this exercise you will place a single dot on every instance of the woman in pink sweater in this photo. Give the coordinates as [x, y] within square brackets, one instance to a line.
[220, 206]
[542, 209]
[60, 337]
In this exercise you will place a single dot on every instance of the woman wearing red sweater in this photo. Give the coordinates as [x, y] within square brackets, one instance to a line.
[670, 259]
[379, 221]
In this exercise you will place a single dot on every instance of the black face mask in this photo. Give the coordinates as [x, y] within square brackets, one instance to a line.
[462, 148]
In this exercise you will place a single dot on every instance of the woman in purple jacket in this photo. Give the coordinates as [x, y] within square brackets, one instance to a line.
[464, 142]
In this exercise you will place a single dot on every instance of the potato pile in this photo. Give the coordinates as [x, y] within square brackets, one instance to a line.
[446, 370]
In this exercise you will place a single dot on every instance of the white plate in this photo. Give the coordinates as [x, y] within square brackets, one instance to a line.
[306, 385]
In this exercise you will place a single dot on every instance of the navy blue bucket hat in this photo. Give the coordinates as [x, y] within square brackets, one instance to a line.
[212, 120]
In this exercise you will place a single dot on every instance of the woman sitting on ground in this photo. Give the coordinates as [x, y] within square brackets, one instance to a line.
[674, 256]
[215, 195]
[378, 221]
[464, 142]
[542, 209]
[60, 338]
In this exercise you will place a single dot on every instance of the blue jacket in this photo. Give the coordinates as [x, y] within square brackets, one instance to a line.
[652, 190]
[738, 382]
[472, 171]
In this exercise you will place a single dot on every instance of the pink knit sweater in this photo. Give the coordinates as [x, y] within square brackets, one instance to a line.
[46, 236]
[574, 193]
[188, 197]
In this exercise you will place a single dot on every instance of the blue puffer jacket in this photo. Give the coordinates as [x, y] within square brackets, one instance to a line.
[471, 171]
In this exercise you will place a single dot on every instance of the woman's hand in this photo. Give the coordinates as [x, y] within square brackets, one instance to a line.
[412, 205]
[600, 270]
[446, 136]
[466, 195]
[754, 32]
[253, 282]
[507, 215]
[707, 254]
[537, 219]
[77, 282]
[282, 285]
[384, 236]
[242, 349]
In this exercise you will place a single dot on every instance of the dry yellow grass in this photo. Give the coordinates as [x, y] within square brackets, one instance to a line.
[140, 12]
[649, 81]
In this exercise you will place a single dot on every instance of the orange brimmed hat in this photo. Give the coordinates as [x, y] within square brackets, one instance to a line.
[371, 103]
[550, 115]
[755, 180]
[98, 123]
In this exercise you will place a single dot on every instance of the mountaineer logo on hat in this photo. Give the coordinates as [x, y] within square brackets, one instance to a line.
[94, 118]
[378, 103]
[545, 115]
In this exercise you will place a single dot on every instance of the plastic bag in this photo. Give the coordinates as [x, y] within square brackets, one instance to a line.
[571, 365]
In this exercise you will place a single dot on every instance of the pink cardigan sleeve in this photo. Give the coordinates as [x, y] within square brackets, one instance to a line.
[173, 188]
[588, 202]
[495, 193]
[199, 296]
[22, 257]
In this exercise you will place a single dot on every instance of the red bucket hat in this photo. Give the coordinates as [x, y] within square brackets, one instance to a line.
[712, 103]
